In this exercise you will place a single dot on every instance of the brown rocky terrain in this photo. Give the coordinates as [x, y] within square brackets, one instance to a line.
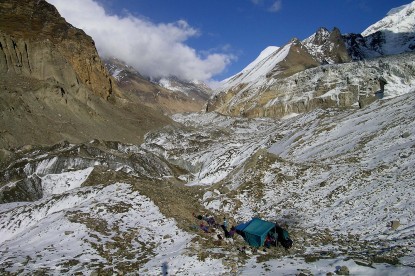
[54, 85]
[139, 88]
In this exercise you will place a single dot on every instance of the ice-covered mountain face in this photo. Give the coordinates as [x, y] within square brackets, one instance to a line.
[398, 20]
[274, 84]
[393, 34]
[341, 181]
[171, 95]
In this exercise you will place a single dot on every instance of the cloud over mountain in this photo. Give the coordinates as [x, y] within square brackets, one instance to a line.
[155, 50]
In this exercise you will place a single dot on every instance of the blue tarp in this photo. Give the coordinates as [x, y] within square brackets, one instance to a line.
[255, 231]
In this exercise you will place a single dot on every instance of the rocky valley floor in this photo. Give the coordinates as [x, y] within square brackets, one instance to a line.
[336, 179]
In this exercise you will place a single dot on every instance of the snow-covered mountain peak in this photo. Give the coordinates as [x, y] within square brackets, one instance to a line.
[263, 84]
[265, 53]
[257, 70]
[321, 35]
[397, 9]
[397, 20]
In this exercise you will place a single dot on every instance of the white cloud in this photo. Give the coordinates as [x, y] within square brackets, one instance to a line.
[276, 6]
[155, 50]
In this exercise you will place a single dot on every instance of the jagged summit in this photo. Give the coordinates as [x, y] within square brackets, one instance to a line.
[327, 47]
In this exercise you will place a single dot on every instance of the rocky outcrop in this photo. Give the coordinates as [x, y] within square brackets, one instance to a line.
[37, 42]
[54, 86]
[297, 59]
[22, 179]
[327, 47]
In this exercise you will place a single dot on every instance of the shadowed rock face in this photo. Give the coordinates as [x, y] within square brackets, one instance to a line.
[54, 86]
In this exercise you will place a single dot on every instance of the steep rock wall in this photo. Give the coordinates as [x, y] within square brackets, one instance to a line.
[54, 86]
[37, 42]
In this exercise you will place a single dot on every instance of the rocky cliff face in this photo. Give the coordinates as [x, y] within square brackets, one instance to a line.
[54, 86]
[36, 41]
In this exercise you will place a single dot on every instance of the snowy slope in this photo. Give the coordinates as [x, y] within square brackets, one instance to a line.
[77, 227]
[74, 232]
[393, 34]
[398, 20]
[335, 178]
[344, 173]
[255, 72]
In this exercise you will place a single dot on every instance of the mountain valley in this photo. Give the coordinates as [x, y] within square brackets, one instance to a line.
[104, 171]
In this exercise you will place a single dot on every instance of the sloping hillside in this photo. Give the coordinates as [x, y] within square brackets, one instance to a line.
[168, 95]
[336, 179]
[54, 86]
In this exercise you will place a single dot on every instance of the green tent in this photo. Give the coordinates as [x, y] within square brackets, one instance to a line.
[255, 231]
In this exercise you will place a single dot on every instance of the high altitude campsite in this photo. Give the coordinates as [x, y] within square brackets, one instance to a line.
[207, 137]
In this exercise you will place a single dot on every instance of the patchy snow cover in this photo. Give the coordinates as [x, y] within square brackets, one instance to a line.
[73, 232]
[212, 147]
[318, 45]
[345, 172]
[349, 172]
[295, 266]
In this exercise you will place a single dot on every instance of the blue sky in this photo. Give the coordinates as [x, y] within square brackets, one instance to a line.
[223, 36]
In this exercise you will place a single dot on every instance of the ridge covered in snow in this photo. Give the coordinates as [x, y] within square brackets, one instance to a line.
[256, 71]
[398, 20]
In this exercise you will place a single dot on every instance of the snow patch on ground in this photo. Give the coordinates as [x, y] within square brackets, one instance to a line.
[58, 230]
[60, 183]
